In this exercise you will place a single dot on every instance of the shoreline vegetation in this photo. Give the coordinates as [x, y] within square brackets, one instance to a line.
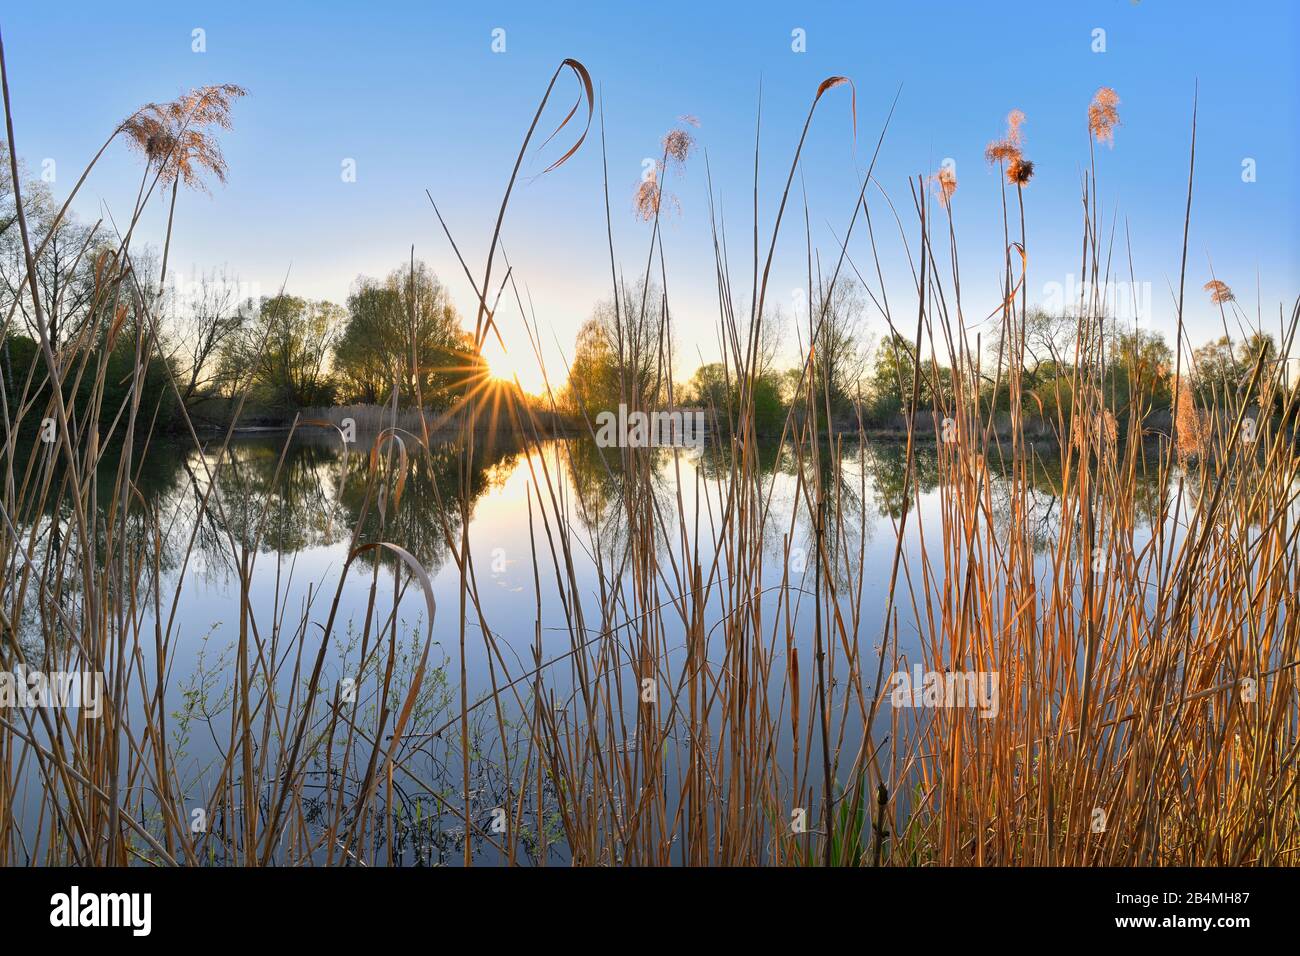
[713, 705]
[222, 356]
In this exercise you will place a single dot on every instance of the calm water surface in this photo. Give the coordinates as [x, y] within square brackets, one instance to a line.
[291, 507]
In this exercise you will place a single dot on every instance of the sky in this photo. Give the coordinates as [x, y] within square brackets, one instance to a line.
[416, 96]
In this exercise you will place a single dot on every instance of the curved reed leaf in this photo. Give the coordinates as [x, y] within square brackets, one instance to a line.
[584, 78]
[387, 435]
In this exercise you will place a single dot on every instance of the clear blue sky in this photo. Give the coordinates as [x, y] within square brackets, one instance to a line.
[414, 93]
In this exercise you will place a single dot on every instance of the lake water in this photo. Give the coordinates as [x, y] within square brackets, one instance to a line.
[289, 510]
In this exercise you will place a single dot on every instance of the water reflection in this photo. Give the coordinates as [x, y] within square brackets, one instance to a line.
[306, 496]
[273, 494]
[278, 495]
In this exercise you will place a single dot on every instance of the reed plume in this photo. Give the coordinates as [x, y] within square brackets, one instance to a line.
[179, 137]
[945, 181]
[1008, 151]
[1219, 292]
[1103, 116]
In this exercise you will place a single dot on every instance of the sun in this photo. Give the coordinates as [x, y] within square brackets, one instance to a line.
[501, 368]
[508, 369]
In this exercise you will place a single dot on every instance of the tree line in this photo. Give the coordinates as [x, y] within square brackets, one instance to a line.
[623, 352]
[399, 338]
[209, 341]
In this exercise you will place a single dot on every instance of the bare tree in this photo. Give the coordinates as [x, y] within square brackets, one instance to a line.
[210, 312]
[63, 268]
[1049, 340]
[637, 337]
[841, 351]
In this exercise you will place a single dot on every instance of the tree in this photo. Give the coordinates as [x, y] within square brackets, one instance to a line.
[1221, 373]
[840, 353]
[64, 270]
[714, 389]
[403, 332]
[1049, 345]
[210, 316]
[637, 339]
[283, 353]
[1248, 353]
[769, 409]
[621, 354]
[1138, 371]
[771, 337]
[1215, 370]
[593, 378]
[890, 385]
[88, 296]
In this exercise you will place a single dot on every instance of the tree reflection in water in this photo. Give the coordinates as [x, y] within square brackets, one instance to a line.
[284, 495]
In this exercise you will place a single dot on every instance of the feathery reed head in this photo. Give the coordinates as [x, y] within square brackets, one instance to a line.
[1103, 116]
[945, 181]
[646, 200]
[1192, 425]
[678, 144]
[1109, 427]
[178, 136]
[1008, 151]
[1015, 120]
[1020, 171]
[1219, 292]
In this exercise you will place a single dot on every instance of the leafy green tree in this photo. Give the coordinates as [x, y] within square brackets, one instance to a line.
[1138, 371]
[593, 384]
[769, 408]
[284, 352]
[1249, 351]
[1219, 370]
[403, 332]
[621, 354]
[890, 384]
[712, 388]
